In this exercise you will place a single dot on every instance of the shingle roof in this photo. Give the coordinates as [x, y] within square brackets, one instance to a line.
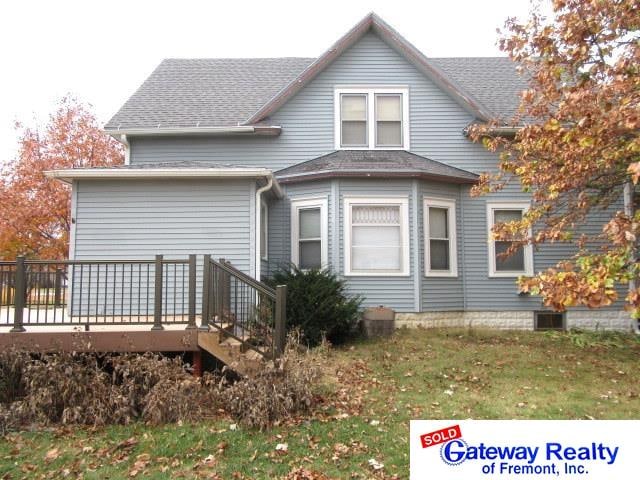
[374, 163]
[225, 92]
[169, 165]
[494, 81]
[214, 92]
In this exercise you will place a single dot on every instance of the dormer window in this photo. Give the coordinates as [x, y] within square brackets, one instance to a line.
[372, 118]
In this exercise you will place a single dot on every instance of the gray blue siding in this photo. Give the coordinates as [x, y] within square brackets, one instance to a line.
[185, 217]
[139, 219]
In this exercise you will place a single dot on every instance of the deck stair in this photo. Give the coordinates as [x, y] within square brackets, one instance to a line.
[244, 318]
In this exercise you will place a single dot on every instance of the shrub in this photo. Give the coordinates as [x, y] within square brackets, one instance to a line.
[278, 391]
[318, 304]
[11, 367]
[91, 389]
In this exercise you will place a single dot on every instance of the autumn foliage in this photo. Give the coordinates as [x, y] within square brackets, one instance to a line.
[34, 209]
[577, 148]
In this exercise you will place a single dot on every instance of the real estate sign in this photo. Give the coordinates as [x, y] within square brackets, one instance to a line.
[523, 449]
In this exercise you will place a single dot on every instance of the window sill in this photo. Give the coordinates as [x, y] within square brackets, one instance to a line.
[370, 274]
[441, 275]
[372, 148]
[510, 274]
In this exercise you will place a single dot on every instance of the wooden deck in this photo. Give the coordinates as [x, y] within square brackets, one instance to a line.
[103, 341]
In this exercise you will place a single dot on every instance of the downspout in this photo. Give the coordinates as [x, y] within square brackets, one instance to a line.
[629, 210]
[127, 149]
[258, 228]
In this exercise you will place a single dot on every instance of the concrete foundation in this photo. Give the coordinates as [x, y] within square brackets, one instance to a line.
[513, 320]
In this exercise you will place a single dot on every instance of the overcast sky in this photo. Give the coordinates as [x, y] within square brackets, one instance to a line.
[102, 51]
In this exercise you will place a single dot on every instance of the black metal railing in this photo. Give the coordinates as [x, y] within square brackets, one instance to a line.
[244, 308]
[143, 292]
[98, 292]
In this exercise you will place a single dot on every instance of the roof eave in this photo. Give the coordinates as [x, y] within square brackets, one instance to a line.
[271, 130]
[70, 175]
[500, 131]
[325, 174]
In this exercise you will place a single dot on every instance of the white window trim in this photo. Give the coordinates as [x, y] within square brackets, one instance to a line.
[528, 251]
[296, 206]
[371, 92]
[403, 202]
[450, 205]
[264, 216]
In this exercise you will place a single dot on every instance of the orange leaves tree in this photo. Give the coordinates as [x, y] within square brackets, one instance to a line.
[578, 151]
[34, 209]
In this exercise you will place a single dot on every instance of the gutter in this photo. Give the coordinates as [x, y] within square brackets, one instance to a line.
[507, 132]
[272, 130]
[323, 174]
[127, 149]
[69, 175]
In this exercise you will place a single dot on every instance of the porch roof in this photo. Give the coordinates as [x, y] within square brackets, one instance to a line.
[374, 163]
[166, 170]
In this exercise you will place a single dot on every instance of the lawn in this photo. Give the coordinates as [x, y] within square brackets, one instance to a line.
[376, 388]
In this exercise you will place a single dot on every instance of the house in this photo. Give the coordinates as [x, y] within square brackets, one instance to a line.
[356, 160]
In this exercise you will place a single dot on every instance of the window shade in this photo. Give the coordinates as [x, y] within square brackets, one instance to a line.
[309, 223]
[388, 108]
[354, 107]
[438, 224]
[376, 239]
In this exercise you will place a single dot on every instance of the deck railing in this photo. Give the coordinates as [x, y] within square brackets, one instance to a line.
[244, 308]
[98, 292]
[143, 292]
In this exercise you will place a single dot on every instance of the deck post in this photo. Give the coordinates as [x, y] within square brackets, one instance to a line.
[192, 292]
[20, 294]
[197, 363]
[57, 287]
[280, 334]
[206, 292]
[220, 293]
[157, 306]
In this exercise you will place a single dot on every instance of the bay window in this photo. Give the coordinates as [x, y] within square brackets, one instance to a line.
[372, 118]
[376, 236]
[309, 233]
[440, 237]
[519, 262]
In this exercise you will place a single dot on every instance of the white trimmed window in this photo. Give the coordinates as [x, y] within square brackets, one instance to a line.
[372, 118]
[309, 233]
[376, 236]
[264, 230]
[521, 261]
[440, 237]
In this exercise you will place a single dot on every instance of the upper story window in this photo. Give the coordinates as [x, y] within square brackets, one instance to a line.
[372, 118]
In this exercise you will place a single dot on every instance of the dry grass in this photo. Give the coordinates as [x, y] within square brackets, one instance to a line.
[377, 386]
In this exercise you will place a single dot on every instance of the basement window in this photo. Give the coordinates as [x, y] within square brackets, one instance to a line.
[549, 321]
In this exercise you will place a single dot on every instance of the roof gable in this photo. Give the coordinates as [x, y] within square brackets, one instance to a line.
[375, 24]
[202, 95]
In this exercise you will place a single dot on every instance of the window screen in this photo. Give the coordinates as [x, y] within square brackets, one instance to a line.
[310, 238]
[515, 261]
[439, 238]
